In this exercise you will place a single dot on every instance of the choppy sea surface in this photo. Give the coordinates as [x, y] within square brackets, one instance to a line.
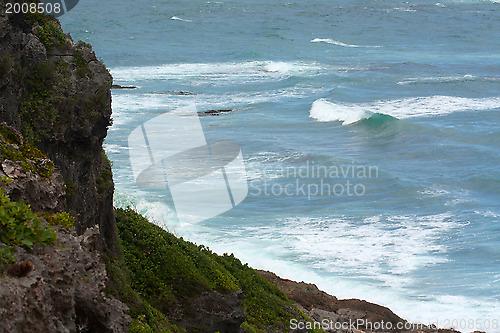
[398, 98]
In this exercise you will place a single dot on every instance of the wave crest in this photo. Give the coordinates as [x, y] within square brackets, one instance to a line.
[350, 113]
[332, 41]
[323, 110]
[336, 42]
[175, 18]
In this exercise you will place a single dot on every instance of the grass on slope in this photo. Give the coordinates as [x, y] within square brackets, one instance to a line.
[158, 269]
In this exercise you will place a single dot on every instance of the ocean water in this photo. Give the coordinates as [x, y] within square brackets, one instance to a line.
[393, 104]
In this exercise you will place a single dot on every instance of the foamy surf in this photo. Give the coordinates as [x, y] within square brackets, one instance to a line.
[155, 211]
[323, 110]
[350, 113]
[126, 106]
[280, 67]
[442, 79]
[357, 250]
[175, 18]
[336, 42]
[250, 71]
[343, 246]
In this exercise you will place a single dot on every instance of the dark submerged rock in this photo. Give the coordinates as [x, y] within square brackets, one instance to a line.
[214, 112]
[117, 86]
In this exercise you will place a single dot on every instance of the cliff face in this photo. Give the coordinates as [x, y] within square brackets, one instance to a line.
[55, 107]
[64, 291]
[57, 95]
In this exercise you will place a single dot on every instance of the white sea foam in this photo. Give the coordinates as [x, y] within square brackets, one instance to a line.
[126, 106]
[156, 212]
[112, 148]
[404, 9]
[435, 192]
[323, 110]
[338, 43]
[175, 18]
[386, 248]
[349, 113]
[488, 213]
[332, 41]
[280, 67]
[441, 79]
[210, 73]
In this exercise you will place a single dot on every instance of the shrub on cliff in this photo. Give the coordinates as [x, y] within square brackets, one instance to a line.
[19, 226]
[165, 270]
[13, 147]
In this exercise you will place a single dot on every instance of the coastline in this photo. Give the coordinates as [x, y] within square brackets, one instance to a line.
[52, 157]
[344, 315]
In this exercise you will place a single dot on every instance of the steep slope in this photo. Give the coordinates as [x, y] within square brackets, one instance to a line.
[196, 289]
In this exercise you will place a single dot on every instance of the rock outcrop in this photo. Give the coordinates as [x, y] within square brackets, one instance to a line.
[57, 94]
[342, 316]
[32, 177]
[213, 312]
[64, 292]
[55, 108]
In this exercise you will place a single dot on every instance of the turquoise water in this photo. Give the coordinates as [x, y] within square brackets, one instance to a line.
[408, 90]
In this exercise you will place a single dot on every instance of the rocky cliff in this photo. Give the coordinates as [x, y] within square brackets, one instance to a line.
[57, 95]
[64, 292]
[55, 108]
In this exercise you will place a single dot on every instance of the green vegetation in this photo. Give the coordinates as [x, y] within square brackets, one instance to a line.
[46, 94]
[58, 219]
[82, 44]
[158, 270]
[8, 135]
[31, 158]
[50, 35]
[145, 318]
[70, 188]
[19, 226]
[97, 102]
[190, 271]
[47, 29]
[82, 66]
[37, 17]
[105, 180]
[265, 304]
[50, 90]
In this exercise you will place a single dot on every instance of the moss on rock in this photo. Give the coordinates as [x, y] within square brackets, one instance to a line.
[31, 158]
